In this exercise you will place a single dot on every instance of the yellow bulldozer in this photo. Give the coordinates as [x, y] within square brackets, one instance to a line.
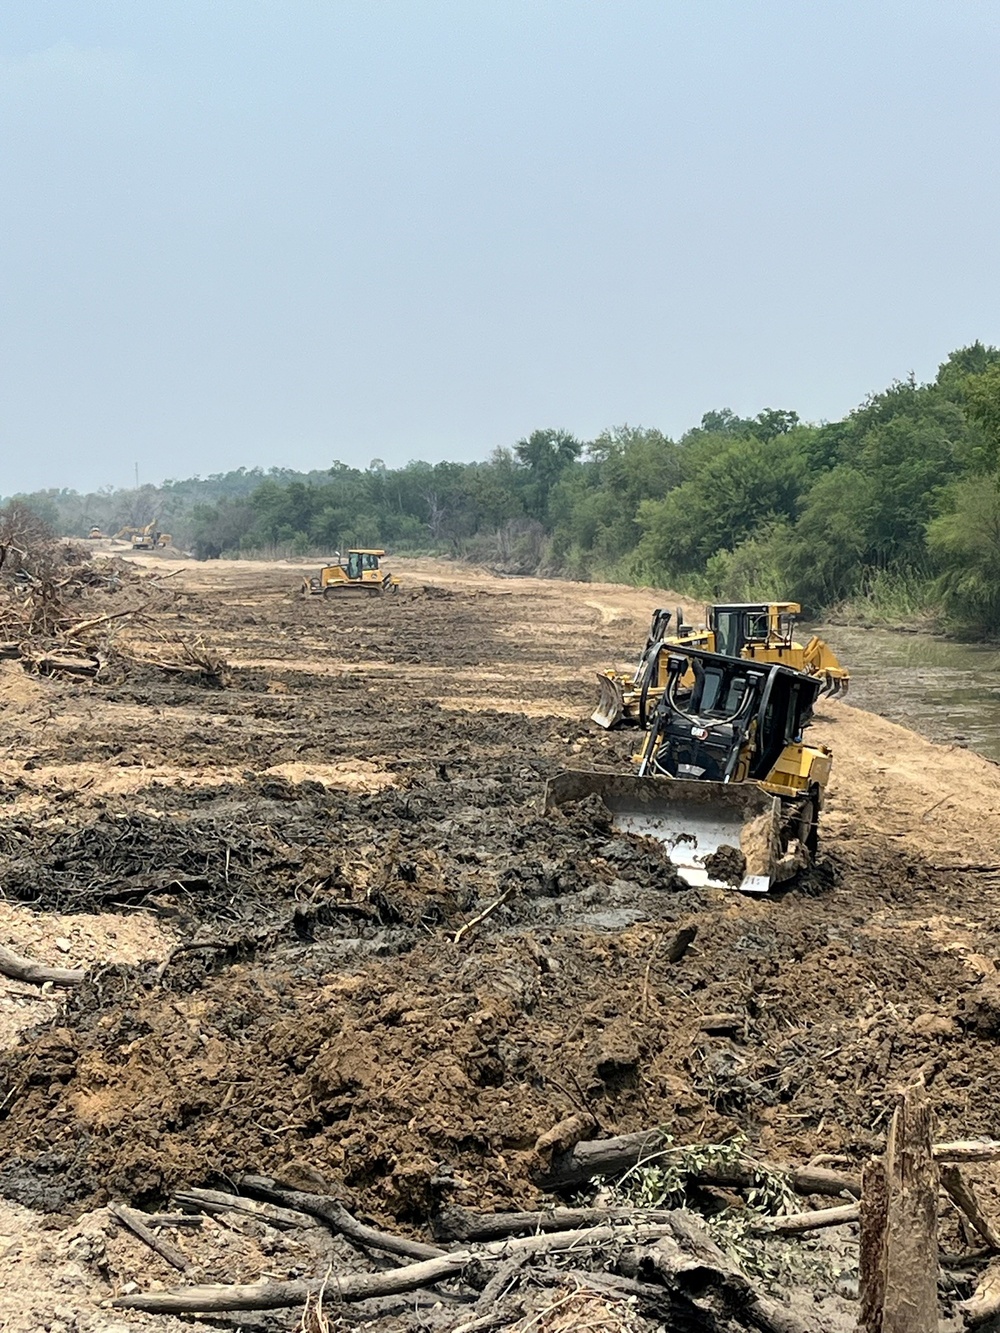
[725, 779]
[361, 574]
[757, 631]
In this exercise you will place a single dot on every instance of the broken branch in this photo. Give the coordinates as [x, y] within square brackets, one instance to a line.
[24, 969]
[494, 906]
[794, 1223]
[964, 1197]
[363, 1286]
[610, 1157]
[135, 1223]
[338, 1219]
[216, 1201]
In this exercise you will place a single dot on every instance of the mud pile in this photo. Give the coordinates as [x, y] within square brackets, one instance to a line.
[403, 1067]
[328, 1020]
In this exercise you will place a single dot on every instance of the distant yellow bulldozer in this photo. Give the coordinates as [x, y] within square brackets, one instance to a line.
[361, 574]
[755, 631]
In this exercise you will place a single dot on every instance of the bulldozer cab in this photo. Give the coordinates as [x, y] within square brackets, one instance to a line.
[732, 725]
[743, 623]
[360, 563]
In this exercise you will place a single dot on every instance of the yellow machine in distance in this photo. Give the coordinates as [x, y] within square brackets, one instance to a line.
[725, 779]
[756, 631]
[361, 574]
[148, 538]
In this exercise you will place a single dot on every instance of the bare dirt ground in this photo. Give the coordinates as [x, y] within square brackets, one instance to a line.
[366, 781]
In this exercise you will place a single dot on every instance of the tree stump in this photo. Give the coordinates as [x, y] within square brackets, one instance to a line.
[899, 1252]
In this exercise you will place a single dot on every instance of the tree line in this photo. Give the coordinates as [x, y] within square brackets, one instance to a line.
[897, 506]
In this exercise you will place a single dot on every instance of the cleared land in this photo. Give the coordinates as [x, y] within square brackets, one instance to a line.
[366, 781]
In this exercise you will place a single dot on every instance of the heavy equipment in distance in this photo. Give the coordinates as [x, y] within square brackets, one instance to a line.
[361, 574]
[758, 631]
[725, 779]
[148, 538]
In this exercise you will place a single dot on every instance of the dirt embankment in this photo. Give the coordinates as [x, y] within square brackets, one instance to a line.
[367, 781]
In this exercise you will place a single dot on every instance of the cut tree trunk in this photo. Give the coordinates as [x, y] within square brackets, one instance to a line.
[899, 1268]
[871, 1261]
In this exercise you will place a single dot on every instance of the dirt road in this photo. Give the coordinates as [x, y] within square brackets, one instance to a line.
[366, 782]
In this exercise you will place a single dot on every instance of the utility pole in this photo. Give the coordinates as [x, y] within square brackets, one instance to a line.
[137, 476]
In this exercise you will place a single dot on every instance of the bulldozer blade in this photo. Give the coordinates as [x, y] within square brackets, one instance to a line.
[717, 834]
[611, 706]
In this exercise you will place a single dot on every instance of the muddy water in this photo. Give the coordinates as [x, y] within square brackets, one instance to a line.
[948, 692]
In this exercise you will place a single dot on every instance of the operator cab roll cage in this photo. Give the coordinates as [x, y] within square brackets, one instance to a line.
[360, 561]
[732, 694]
[741, 623]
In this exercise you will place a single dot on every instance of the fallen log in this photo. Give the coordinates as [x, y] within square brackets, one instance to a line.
[690, 1260]
[964, 1197]
[610, 1157]
[464, 1224]
[135, 1223]
[967, 1150]
[24, 969]
[48, 664]
[337, 1218]
[793, 1224]
[364, 1286]
[216, 1201]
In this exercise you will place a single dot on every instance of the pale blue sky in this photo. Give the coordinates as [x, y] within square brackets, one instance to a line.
[278, 232]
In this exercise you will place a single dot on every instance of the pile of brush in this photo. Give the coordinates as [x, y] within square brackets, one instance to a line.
[61, 608]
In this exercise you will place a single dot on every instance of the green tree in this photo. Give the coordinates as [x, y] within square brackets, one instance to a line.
[965, 540]
[747, 484]
[544, 456]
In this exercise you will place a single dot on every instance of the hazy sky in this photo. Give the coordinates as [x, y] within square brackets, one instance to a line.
[277, 232]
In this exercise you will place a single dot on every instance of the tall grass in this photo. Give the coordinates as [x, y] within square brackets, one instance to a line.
[895, 599]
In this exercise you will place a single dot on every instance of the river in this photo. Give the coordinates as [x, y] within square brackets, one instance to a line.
[946, 691]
